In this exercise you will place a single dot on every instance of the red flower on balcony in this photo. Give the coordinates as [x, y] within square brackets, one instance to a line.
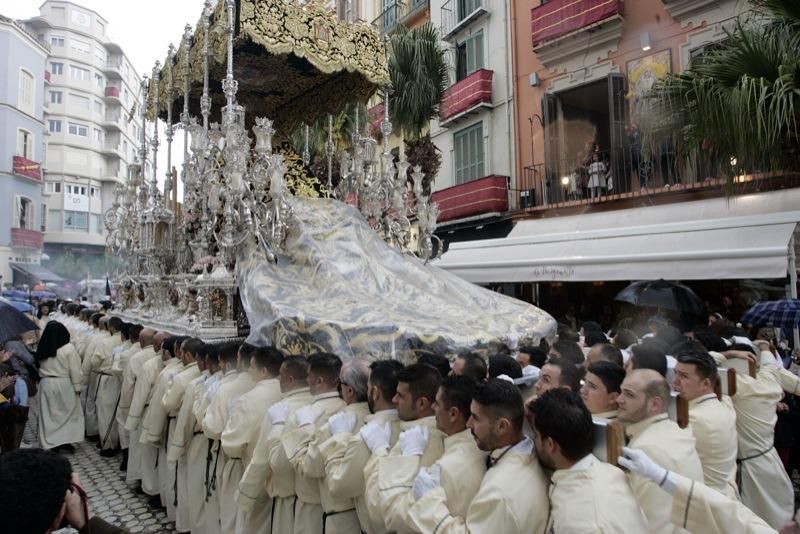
[27, 168]
[464, 95]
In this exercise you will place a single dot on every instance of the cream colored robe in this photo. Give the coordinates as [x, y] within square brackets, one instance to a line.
[99, 362]
[261, 473]
[142, 396]
[512, 499]
[228, 472]
[239, 440]
[346, 459]
[179, 437]
[308, 471]
[135, 368]
[463, 466]
[93, 381]
[700, 509]
[670, 447]
[713, 424]
[602, 495]
[384, 460]
[763, 484]
[198, 456]
[60, 413]
[121, 368]
[339, 513]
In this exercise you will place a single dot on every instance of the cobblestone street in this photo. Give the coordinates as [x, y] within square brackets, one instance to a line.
[111, 498]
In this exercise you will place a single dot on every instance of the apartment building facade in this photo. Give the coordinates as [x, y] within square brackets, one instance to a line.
[22, 64]
[92, 125]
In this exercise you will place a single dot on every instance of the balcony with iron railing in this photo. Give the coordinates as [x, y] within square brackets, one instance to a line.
[628, 175]
[112, 91]
[397, 12]
[456, 14]
[466, 96]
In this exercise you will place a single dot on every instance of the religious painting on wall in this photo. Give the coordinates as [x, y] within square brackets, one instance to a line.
[643, 73]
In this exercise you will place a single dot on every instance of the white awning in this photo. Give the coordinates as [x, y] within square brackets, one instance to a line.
[747, 237]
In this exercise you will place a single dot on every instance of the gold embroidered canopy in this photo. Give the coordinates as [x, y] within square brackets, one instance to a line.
[293, 63]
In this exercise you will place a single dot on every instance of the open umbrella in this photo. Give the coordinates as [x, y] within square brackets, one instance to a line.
[662, 294]
[13, 322]
[24, 307]
[781, 313]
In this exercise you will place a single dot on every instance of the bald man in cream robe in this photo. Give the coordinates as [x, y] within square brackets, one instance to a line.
[213, 425]
[346, 459]
[142, 397]
[602, 494]
[764, 486]
[512, 499]
[386, 457]
[308, 513]
[670, 446]
[135, 371]
[238, 442]
[278, 478]
[177, 402]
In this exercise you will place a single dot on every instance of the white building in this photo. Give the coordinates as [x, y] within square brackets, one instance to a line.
[92, 126]
[475, 129]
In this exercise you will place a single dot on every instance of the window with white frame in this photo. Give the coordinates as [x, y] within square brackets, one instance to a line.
[97, 224]
[54, 126]
[56, 40]
[98, 135]
[78, 129]
[56, 97]
[27, 94]
[76, 220]
[80, 46]
[79, 73]
[99, 81]
[24, 144]
[468, 153]
[57, 68]
[74, 189]
[94, 192]
[23, 213]
[53, 187]
[469, 55]
[98, 107]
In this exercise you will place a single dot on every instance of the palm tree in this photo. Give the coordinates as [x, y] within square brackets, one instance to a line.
[739, 104]
[418, 72]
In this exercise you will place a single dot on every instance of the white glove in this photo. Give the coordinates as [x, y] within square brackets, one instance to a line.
[414, 440]
[428, 479]
[637, 462]
[278, 413]
[306, 416]
[376, 436]
[342, 423]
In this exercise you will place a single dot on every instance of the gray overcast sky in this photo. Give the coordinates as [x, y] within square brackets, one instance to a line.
[144, 29]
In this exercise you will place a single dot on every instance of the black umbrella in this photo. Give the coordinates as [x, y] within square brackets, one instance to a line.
[13, 322]
[664, 295]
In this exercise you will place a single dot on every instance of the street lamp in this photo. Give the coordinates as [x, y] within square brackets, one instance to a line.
[565, 183]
